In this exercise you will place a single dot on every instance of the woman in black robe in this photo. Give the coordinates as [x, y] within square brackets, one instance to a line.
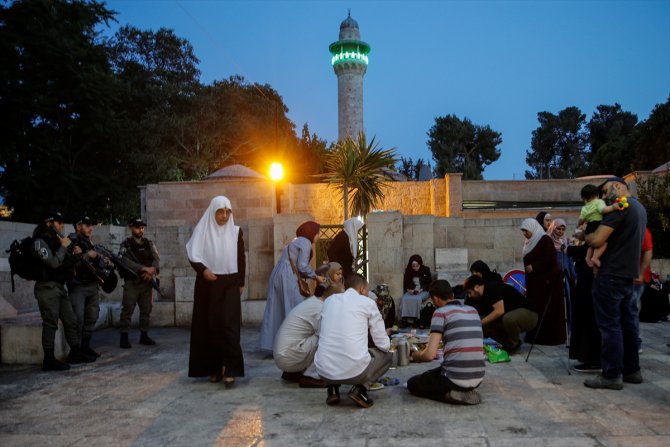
[544, 288]
[216, 253]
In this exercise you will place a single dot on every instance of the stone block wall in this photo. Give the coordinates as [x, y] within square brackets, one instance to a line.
[524, 190]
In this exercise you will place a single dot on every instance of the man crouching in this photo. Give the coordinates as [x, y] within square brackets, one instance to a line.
[343, 355]
[462, 370]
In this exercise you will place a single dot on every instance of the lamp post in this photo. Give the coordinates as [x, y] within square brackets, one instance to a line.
[277, 174]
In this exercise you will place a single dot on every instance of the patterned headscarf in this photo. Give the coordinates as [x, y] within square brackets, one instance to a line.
[558, 241]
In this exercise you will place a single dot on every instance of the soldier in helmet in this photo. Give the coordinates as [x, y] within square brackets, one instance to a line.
[140, 256]
[84, 287]
[57, 257]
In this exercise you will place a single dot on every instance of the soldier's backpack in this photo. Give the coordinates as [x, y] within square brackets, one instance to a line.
[22, 262]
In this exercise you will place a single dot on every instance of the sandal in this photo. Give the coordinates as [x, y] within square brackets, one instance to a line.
[228, 381]
[214, 378]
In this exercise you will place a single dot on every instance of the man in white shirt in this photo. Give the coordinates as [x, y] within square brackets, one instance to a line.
[298, 336]
[343, 355]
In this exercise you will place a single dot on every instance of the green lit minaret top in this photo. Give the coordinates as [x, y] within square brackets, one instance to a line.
[349, 48]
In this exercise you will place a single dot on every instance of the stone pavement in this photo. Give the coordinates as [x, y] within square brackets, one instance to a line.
[142, 397]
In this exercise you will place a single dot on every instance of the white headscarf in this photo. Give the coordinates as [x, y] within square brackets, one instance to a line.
[351, 227]
[536, 231]
[212, 244]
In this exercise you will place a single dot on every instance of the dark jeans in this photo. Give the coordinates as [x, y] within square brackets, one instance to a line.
[432, 385]
[617, 318]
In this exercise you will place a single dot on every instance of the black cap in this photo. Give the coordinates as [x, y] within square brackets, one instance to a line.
[54, 215]
[611, 179]
[84, 219]
[137, 222]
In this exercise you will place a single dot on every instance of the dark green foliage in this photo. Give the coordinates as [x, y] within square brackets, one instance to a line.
[558, 145]
[58, 99]
[652, 147]
[85, 121]
[461, 146]
[654, 194]
[612, 139]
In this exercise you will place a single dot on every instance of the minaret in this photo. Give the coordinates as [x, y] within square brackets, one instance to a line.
[350, 62]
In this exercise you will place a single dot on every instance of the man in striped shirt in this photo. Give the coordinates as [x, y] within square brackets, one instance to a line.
[458, 326]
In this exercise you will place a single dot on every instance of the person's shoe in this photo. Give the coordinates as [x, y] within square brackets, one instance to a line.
[601, 382]
[228, 381]
[471, 397]
[86, 347]
[76, 355]
[124, 343]
[584, 368]
[359, 395]
[145, 339]
[311, 382]
[635, 377]
[215, 378]
[292, 376]
[513, 349]
[51, 363]
[333, 395]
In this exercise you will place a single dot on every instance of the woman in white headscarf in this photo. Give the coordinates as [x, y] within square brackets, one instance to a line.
[216, 253]
[344, 247]
[544, 288]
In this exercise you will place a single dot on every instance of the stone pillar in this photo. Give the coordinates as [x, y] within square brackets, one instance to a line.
[454, 195]
[385, 254]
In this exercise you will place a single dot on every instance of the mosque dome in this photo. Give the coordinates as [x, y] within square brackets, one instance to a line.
[348, 23]
[349, 29]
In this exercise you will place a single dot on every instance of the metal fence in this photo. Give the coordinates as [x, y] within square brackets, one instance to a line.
[326, 236]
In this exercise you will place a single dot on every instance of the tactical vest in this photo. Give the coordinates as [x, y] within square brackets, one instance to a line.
[59, 274]
[140, 253]
[83, 275]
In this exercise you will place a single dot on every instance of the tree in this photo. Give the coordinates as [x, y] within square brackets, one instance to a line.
[461, 146]
[558, 145]
[611, 138]
[356, 167]
[654, 194]
[652, 147]
[58, 103]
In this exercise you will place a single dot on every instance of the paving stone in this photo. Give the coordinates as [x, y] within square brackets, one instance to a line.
[143, 397]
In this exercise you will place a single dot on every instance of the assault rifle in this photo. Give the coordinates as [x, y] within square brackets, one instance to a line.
[125, 269]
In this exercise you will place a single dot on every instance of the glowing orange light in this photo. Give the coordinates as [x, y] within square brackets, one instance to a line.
[276, 171]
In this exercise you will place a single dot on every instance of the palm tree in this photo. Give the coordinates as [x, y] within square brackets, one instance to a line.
[357, 167]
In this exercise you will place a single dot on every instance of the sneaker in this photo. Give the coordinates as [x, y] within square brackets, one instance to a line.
[601, 382]
[635, 377]
[359, 395]
[585, 368]
[333, 395]
[471, 397]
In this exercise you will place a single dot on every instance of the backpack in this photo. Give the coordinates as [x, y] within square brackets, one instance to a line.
[22, 262]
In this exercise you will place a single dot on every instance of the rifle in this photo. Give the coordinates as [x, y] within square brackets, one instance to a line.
[122, 266]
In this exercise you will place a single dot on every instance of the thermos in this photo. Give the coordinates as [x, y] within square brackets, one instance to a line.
[403, 352]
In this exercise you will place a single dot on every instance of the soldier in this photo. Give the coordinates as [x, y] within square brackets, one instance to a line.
[140, 255]
[84, 286]
[57, 259]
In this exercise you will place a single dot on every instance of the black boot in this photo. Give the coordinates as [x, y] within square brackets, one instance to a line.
[125, 343]
[86, 347]
[51, 363]
[145, 339]
[76, 355]
[333, 395]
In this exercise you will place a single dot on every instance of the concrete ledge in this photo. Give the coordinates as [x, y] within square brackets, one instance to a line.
[21, 340]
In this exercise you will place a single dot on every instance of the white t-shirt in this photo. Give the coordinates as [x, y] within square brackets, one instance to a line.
[346, 319]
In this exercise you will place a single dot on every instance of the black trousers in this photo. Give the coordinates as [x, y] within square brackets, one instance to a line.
[432, 385]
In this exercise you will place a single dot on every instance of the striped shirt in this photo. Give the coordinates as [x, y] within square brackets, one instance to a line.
[462, 337]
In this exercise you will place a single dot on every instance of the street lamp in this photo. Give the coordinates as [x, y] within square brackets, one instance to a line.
[277, 174]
